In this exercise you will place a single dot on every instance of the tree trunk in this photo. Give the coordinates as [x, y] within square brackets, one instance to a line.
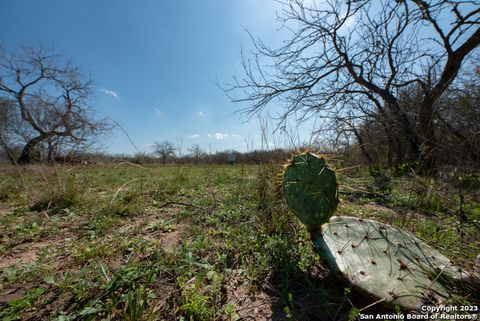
[50, 152]
[407, 129]
[390, 147]
[26, 156]
[362, 145]
[8, 151]
[428, 151]
[400, 151]
[387, 124]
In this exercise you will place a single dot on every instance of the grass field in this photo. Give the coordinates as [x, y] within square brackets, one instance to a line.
[130, 242]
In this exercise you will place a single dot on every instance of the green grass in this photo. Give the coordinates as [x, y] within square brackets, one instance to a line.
[210, 242]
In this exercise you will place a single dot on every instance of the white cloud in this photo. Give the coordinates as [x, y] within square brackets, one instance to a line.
[220, 136]
[109, 92]
[193, 136]
[201, 114]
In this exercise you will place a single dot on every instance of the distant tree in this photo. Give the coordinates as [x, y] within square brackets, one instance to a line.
[164, 150]
[48, 105]
[342, 51]
[197, 153]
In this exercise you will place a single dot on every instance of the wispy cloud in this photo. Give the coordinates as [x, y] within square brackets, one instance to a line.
[193, 136]
[159, 113]
[109, 92]
[201, 114]
[350, 22]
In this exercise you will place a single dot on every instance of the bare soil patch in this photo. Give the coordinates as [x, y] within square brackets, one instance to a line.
[257, 305]
[23, 254]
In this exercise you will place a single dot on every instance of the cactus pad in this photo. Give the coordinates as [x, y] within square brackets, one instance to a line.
[385, 262]
[310, 189]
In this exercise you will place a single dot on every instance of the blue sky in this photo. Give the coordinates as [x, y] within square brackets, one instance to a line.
[154, 62]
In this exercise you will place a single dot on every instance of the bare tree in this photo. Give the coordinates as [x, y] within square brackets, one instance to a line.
[196, 152]
[50, 102]
[343, 50]
[164, 150]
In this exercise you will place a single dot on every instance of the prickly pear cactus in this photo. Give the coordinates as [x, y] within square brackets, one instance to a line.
[310, 189]
[386, 262]
[383, 261]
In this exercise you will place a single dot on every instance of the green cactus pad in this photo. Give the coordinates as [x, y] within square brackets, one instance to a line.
[386, 262]
[310, 189]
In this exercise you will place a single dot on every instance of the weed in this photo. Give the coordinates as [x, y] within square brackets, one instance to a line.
[9, 189]
[57, 193]
[161, 225]
[469, 181]
[381, 179]
[230, 312]
[404, 168]
[15, 307]
[86, 252]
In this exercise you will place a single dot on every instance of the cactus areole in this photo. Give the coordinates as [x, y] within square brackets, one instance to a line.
[310, 189]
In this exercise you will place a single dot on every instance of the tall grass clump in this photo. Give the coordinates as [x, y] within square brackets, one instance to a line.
[58, 191]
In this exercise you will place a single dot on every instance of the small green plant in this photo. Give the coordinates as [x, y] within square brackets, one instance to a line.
[196, 305]
[230, 312]
[381, 179]
[15, 307]
[354, 314]
[88, 251]
[404, 168]
[469, 180]
[161, 225]
[136, 304]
